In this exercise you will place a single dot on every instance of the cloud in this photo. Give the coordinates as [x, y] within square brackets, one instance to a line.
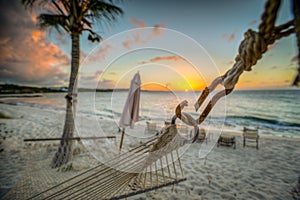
[26, 54]
[138, 23]
[83, 54]
[128, 43]
[135, 39]
[33, 17]
[253, 22]
[141, 36]
[163, 58]
[272, 46]
[4, 41]
[112, 73]
[93, 77]
[274, 67]
[230, 37]
[106, 84]
[295, 58]
[157, 30]
[89, 80]
[100, 53]
[37, 35]
[231, 62]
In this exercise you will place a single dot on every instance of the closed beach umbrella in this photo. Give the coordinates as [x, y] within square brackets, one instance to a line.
[130, 113]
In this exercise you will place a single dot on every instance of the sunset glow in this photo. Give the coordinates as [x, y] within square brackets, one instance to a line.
[37, 57]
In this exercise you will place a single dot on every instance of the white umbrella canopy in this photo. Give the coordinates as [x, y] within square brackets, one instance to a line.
[130, 113]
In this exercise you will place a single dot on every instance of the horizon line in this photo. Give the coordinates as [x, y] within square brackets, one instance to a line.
[289, 87]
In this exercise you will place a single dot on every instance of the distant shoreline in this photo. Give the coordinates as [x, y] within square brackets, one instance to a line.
[22, 89]
[20, 95]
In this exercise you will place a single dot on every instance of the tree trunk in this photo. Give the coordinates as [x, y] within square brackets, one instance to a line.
[64, 152]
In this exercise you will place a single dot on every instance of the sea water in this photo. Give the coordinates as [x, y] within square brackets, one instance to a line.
[274, 112]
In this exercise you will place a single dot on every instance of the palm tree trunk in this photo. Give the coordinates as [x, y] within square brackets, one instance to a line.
[64, 152]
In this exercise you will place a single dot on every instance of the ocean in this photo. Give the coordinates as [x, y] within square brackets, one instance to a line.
[273, 112]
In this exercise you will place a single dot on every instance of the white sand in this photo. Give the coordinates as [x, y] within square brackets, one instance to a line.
[242, 173]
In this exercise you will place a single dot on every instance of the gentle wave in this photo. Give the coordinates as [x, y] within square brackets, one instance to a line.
[263, 120]
[36, 105]
[274, 112]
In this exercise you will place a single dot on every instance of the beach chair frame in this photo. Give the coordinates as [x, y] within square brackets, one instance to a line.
[250, 135]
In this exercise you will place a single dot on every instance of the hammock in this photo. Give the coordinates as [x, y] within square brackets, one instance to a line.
[150, 166]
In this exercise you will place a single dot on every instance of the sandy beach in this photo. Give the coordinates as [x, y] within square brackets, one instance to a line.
[78, 77]
[226, 173]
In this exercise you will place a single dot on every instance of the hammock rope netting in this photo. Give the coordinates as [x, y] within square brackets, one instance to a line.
[157, 163]
[152, 165]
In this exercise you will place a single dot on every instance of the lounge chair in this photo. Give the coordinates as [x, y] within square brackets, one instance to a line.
[227, 140]
[151, 128]
[202, 136]
[250, 135]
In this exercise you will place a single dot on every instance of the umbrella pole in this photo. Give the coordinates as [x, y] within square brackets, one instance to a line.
[122, 138]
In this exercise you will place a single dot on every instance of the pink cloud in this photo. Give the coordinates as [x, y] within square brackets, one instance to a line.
[135, 39]
[140, 37]
[229, 37]
[173, 58]
[157, 30]
[127, 43]
[97, 74]
[138, 23]
[96, 56]
[33, 18]
[272, 46]
[231, 62]
[82, 54]
[163, 58]
[101, 52]
[37, 35]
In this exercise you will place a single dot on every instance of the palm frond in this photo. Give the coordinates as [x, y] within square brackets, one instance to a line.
[101, 10]
[56, 21]
[28, 3]
[76, 15]
[57, 6]
[31, 3]
[87, 22]
[67, 5]
[93, 37]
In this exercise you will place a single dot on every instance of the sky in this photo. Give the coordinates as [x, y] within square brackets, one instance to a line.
[175, 45]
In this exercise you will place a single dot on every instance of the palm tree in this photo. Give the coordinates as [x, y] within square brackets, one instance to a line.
[74, 17]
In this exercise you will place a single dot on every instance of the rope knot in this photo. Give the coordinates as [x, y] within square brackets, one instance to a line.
[251, 49]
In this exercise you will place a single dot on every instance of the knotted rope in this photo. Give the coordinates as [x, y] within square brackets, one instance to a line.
[297, 30]
[251, 49]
